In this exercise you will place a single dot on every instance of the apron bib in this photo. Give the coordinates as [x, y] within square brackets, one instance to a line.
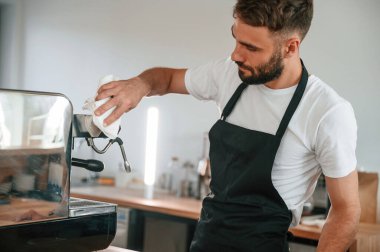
[244, 212]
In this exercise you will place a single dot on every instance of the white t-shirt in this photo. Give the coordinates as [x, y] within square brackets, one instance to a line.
[321, 136]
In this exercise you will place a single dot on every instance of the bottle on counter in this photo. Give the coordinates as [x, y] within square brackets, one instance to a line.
[165, 181]
[177, 175]
[204, 169]
[190, 181]
[121, 177]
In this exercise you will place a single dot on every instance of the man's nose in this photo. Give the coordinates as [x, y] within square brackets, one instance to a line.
[236, 55]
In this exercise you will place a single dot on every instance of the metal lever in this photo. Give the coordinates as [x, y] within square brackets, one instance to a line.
[91, 143]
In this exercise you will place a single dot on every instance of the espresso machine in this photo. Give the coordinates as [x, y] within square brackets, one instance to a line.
[37, 135]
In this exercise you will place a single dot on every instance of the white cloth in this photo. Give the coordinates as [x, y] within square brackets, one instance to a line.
[321, 137]
[90, 104]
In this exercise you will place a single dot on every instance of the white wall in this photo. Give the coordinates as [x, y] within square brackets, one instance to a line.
[343, 49]
[11, 43]
[70, 44]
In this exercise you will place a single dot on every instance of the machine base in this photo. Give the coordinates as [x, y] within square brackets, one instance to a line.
[84, 233]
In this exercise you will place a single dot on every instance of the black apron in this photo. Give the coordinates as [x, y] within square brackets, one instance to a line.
[244, 212]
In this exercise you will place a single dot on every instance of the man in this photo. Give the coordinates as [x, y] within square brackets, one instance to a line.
[279, 130]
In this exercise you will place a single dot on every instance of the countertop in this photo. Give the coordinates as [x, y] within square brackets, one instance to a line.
[134, 198]
[367, 239]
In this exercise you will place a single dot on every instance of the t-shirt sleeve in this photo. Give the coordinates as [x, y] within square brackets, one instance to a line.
[336, 141]
[202, 81]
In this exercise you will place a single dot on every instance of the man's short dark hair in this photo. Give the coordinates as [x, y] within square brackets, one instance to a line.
[279, 16]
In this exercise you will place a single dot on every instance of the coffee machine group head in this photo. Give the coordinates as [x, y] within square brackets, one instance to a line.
[83, 127]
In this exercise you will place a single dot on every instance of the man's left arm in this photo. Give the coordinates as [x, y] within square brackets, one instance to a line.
[342, 222]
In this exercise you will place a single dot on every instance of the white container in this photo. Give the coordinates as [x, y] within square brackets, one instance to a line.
[24, 182]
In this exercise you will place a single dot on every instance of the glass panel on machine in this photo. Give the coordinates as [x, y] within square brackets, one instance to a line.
[34, 139]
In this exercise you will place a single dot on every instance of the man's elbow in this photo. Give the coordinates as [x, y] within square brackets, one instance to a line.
[348, 213]
[354, 217]
[352, 214]
[357, 213]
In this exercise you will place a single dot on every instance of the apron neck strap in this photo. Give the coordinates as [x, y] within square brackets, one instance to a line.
[233, 100]
[297, 96]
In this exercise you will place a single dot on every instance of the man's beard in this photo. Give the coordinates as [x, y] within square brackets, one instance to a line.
[263, 73]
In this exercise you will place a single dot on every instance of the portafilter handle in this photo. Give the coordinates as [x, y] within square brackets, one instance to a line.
[91, 143]
[89, 164]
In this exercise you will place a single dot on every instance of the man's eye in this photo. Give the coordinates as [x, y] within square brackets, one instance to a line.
[251, 49]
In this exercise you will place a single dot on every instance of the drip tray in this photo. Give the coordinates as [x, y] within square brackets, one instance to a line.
[83, 207]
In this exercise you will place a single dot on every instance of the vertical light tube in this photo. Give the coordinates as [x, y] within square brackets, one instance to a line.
[151, 146]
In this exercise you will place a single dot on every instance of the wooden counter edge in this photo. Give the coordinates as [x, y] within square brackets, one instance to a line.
[132, 204]
[306, 232]
[302, 231]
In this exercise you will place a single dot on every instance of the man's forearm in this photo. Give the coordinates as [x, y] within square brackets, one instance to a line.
[157, 79]
[339, 230]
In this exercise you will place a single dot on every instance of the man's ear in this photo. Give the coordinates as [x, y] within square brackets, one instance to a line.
[292, 47]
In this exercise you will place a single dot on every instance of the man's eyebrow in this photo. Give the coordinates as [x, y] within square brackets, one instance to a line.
[246, 44]
[232, 31]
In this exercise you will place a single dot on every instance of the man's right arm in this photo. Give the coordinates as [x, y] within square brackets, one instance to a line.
[126, 94]
[165, 80]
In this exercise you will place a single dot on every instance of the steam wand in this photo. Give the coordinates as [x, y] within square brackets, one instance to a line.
[91, 143]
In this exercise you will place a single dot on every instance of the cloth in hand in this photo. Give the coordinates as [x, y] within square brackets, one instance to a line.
[91, 105]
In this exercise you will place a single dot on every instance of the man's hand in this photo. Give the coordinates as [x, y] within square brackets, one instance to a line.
[125, 95]
[341, 225]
